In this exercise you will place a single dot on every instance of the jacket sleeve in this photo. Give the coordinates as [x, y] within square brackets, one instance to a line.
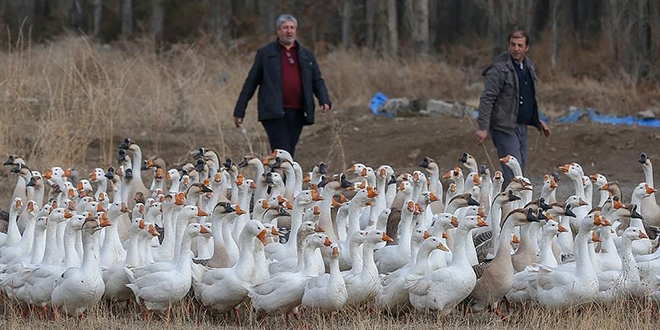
[318, 84]
[252, 81]
[492, 87]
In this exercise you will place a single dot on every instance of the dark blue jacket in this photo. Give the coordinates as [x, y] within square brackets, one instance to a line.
[266, 72]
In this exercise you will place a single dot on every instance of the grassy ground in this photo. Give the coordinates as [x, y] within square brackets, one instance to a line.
[628, 314]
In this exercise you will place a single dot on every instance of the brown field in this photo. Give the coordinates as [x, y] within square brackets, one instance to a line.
[71, 103]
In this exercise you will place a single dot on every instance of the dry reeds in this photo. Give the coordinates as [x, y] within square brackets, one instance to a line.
[622, 314]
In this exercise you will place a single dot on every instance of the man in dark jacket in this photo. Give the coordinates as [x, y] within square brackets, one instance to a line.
[288, 78]
[508, 102]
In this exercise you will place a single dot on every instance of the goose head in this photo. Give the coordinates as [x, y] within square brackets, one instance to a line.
[443, 222]
[633, 233]
[13, 160]
[643, 190]
[377, 236]
[431, 243]
[511, 162]
[470, 222]
[552, 228]
[469, 162]
[644, 160]
[419, 234]
[572, 170]
[463, 200]
[317, 240]
[592, 221]
[598, 180]
[521, 217]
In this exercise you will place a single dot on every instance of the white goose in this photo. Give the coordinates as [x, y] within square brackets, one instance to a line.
[649, 209]
[327, 292]
[442, 289]
[523, 287]
[572, 286]
[112, 250]
[13, 234]
[282, 293]
[81, 288]
[277, 251]
[624, 282]
[224, 289]
[115, 277]
[364, 285]
[393, 296]
[392, 257]
[156, 290]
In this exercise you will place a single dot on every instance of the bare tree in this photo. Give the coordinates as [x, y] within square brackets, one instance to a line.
[421, 26]
[505, 15]
[267, 15]
[98, 13]
[347, 13]
[220, 19]
[126, 18]
[433, 20]
[616, 28]
[157, 19]
[393, 35]
[370, 11]
[556, 41]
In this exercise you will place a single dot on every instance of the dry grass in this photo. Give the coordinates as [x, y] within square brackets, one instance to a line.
[60, 99]
[624, 314]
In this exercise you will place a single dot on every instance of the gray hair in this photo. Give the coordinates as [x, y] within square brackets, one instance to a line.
[285, 18]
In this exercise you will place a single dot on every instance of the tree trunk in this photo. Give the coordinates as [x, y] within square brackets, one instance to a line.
[556, 42]
[370, 11]
[157, 19]
[78, 16]
[98, 15]
[220, 20]
[393, 36]
[504, 16]
[433, 23]
[347, 13]
[126, 19]
[421, 26]
[267, 16]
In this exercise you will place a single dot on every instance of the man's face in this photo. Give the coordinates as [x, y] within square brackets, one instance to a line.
[287, 33]
[518, 48]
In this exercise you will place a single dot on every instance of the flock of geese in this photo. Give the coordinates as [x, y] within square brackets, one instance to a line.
[265, 234]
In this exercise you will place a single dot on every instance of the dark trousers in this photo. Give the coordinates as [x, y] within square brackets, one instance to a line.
[512, 143]
[283, 133]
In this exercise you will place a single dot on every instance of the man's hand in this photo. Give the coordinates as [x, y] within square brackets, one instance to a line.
[481, 136]
[238, 122]
[325, 107]
[545, 130]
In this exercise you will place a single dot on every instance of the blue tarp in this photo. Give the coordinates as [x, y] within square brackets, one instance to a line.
[572, 116]
[378, 101]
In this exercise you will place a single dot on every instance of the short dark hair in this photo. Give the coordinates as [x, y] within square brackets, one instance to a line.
[519, 34]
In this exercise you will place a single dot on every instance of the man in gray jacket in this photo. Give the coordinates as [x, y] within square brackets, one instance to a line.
[508, 102]
[288, 78]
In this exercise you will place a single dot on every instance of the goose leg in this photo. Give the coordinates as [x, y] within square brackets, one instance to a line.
[237, 316]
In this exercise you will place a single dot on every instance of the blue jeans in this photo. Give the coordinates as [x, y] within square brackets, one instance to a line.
[283, 133]
[512, 143]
